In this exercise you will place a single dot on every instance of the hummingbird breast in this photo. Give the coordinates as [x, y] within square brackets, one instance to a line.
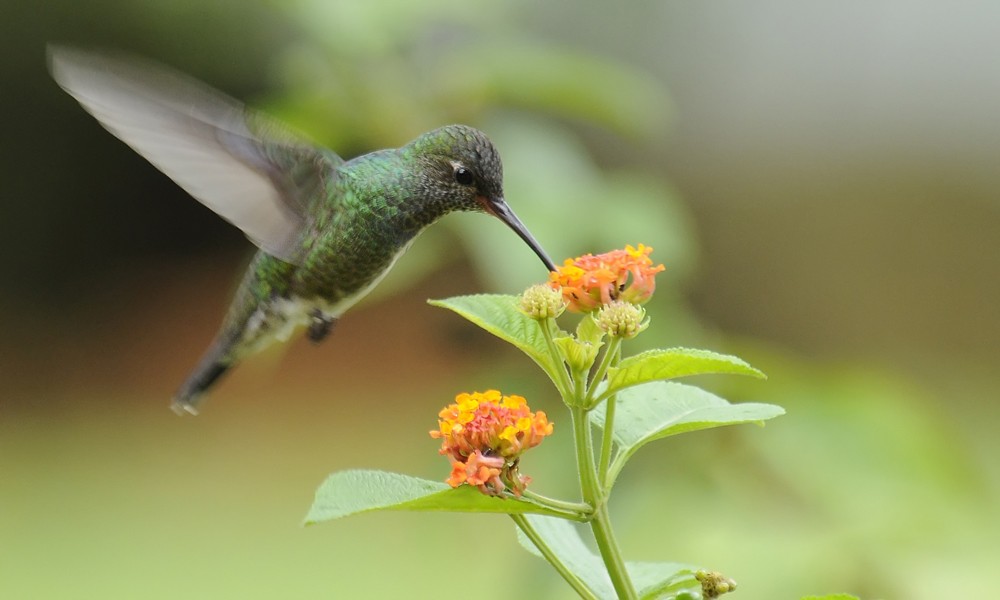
[369, 218]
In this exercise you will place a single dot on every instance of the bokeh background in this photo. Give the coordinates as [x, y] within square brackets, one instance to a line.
[819, 178]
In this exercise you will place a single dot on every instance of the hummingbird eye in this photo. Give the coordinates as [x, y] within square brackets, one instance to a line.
[464, 176]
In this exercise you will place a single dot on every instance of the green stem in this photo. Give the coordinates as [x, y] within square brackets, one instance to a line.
[605, 538]
[609, 421]
[553, 560]
[579, 386]
[593, 495]
[564, 384]
[574, 511]
[610, 353]
[613, 471]
[606, 443]
[585, 456]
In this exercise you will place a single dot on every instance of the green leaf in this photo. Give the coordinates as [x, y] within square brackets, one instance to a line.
[656, 365]
[579, 355]
[565, 542]
[659, 409]
[656, 579]
[356, 491]
[831, 597]
[499, 314]
[651, 579]
[588, 330]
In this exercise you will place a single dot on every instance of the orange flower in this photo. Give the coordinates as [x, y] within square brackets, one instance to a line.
[484, 434]
[589, 282]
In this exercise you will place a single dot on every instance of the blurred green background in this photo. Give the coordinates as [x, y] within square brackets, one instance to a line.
[819, 179]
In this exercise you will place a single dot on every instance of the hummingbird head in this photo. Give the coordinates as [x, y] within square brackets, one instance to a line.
[462, 170]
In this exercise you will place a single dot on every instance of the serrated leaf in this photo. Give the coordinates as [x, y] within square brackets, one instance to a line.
[654, 579]
[356, 491]
[656, 365]
[565, 542]
[587, 330]
[563, 538]
[579, 355]
[499, 315]
[660, 409]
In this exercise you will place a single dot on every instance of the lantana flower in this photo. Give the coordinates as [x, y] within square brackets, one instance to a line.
[542, 301]
[483, 434]
[590, 282]
[622, 319]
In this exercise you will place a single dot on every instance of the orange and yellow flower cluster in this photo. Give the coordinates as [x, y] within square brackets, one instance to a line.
[484, 434]
[590, 282]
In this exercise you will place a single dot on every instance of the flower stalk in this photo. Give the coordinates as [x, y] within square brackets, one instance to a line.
[610, 356]
[574, 511]
[594, 496]
[567, 574]
[607, 442]
[564, 384]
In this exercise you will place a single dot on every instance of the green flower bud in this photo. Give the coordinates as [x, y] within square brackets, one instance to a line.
[542, 302]
[714, 584]
[579, 355]
[622, 319]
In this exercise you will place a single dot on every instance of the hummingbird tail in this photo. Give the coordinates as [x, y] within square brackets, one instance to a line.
[211, 367]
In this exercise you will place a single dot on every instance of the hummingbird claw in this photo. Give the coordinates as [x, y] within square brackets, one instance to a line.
[321, 326]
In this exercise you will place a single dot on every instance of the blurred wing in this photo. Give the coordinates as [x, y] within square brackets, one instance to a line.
[240, 164]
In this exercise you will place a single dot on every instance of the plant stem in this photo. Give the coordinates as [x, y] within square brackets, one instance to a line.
[564, 384]
[605, 537]
[610, 353]
[575, 511]
[585, 457]
[579, 386]
[609, 421]
[593, 494]
[551, 557]
[606, 443]
[613, 471]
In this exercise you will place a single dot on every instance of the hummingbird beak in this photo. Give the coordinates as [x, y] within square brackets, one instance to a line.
[498, 208]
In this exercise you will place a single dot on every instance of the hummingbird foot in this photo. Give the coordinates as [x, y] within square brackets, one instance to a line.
[320, 326]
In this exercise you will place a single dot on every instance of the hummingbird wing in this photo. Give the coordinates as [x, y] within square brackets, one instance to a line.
[247, 168]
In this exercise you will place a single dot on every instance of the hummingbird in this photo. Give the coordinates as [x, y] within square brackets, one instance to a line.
[327, 230]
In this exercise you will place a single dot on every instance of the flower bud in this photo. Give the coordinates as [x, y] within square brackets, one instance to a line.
[542, 302]
[714, 584]
[622, 319]
[580, 355]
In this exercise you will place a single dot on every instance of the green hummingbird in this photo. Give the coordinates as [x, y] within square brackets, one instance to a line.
[327, 230]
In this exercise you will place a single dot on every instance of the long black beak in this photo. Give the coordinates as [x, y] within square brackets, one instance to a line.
[499, 208]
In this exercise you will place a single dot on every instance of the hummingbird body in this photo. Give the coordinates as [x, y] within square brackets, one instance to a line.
[328, 230]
